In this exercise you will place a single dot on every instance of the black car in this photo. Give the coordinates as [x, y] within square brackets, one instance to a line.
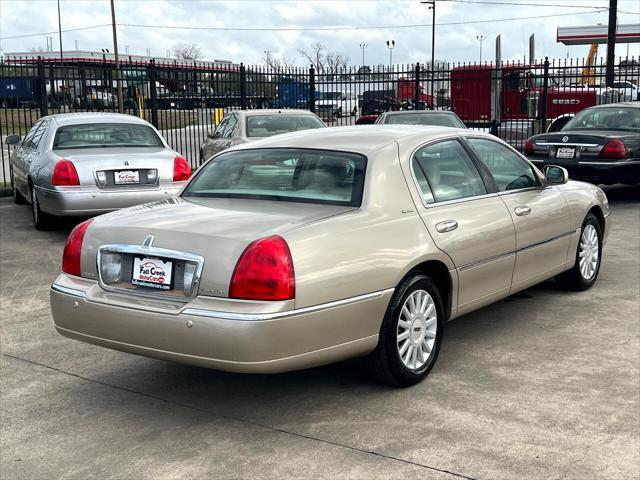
[599, 145]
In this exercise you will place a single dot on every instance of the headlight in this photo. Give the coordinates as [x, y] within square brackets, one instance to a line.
[110, 267]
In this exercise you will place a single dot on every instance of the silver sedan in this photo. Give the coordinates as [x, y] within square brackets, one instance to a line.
[81, 164]
[246, 125]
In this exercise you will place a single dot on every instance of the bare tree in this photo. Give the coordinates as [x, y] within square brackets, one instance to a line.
[186, 51]
[325, 61]
[276, 63]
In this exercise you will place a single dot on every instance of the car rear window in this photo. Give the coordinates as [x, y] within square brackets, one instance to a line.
[283, 174]
[102, 135]
[268, 125]
[606, 118]
[440, 120]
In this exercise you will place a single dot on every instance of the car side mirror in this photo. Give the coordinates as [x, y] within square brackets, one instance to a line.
[12, 140]
[556, 175]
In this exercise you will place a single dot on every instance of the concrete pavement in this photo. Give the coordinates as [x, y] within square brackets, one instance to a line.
[545, 384]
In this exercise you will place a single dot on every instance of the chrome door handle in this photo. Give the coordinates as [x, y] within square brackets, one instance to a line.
[522, 210]
[446, 226]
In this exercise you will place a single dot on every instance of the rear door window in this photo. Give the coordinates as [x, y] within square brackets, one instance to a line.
[444, 171]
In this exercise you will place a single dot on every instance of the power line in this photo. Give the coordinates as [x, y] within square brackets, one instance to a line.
[311, 29]
[491, 2]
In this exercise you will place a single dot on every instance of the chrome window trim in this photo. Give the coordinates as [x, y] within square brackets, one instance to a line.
[446, 202]
[154, 252]
[252, 317]
[68, 291]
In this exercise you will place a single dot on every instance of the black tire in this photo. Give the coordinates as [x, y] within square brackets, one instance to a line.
[384, 363]
[574, 279]
[41, 221]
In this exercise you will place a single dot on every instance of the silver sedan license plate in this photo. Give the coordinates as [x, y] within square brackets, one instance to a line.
[152, 273]
[126, 176]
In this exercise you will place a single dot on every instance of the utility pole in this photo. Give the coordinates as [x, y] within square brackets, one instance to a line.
[611, 41]
[391, 45]
[481, 38]
[432, 7]
[115, 52]
[60, 34]
[363, 46]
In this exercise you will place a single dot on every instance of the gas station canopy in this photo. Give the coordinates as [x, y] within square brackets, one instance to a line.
[589, 35]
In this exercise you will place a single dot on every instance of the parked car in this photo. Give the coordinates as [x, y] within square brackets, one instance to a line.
[337, 104]
[421, 117]
[599, 144]
[247, 125]
[317, 246]
[79, 164]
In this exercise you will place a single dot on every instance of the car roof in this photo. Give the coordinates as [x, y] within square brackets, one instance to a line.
[419, 112]
[616, 105]
[95, 117]
[274, 111]
[360, 138]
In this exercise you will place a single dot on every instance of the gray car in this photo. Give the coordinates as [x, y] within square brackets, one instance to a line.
[246, 125]
[437, 118]
[81, 164]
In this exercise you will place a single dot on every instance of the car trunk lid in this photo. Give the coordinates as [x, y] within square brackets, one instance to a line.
[121, 167]
[217, 229]
[575, 145]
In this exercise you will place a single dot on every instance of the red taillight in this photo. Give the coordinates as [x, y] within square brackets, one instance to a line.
[264, 271]
[528, 148]
[614, 148]
[181, 169]
[64, 174]
[73, 248]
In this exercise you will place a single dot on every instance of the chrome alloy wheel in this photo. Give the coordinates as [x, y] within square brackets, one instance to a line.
[589, 252]
[417, 326]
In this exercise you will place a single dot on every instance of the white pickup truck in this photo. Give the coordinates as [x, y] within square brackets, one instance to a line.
[336, 104]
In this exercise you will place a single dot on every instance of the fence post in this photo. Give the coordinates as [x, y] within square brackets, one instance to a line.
[243, 87]
[543, 96]
[416, 93]
[153, 94]
[41, 88]
[312, 89]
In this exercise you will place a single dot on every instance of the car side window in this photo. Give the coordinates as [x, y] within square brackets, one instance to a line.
[219, 131]
[38, 135]
[444, 171]
[28, 139]
[507, 168]
[231, 126]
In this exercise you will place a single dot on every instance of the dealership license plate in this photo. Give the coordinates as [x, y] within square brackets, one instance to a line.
[565, 152]
[152, 273]
[126, 176]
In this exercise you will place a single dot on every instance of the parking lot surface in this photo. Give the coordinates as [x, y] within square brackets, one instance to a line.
[545, 384]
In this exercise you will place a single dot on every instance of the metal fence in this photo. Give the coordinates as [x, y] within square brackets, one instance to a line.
[185, 101]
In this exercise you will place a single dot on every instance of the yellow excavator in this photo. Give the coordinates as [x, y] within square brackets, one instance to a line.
[589, 69]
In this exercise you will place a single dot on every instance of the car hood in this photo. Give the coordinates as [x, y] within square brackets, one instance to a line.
[217, 229]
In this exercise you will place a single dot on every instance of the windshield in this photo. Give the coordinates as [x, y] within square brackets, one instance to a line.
[102, 135]
[439, 119]
[331, 96]
[609, 118]
[268, 125]
[283, 174]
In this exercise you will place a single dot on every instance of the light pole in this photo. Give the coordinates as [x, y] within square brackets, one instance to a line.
[391, 45]
[480, 38]
[363, 46]
[432, 7]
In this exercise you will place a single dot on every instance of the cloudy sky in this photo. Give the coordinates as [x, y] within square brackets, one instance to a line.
[298, 24]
